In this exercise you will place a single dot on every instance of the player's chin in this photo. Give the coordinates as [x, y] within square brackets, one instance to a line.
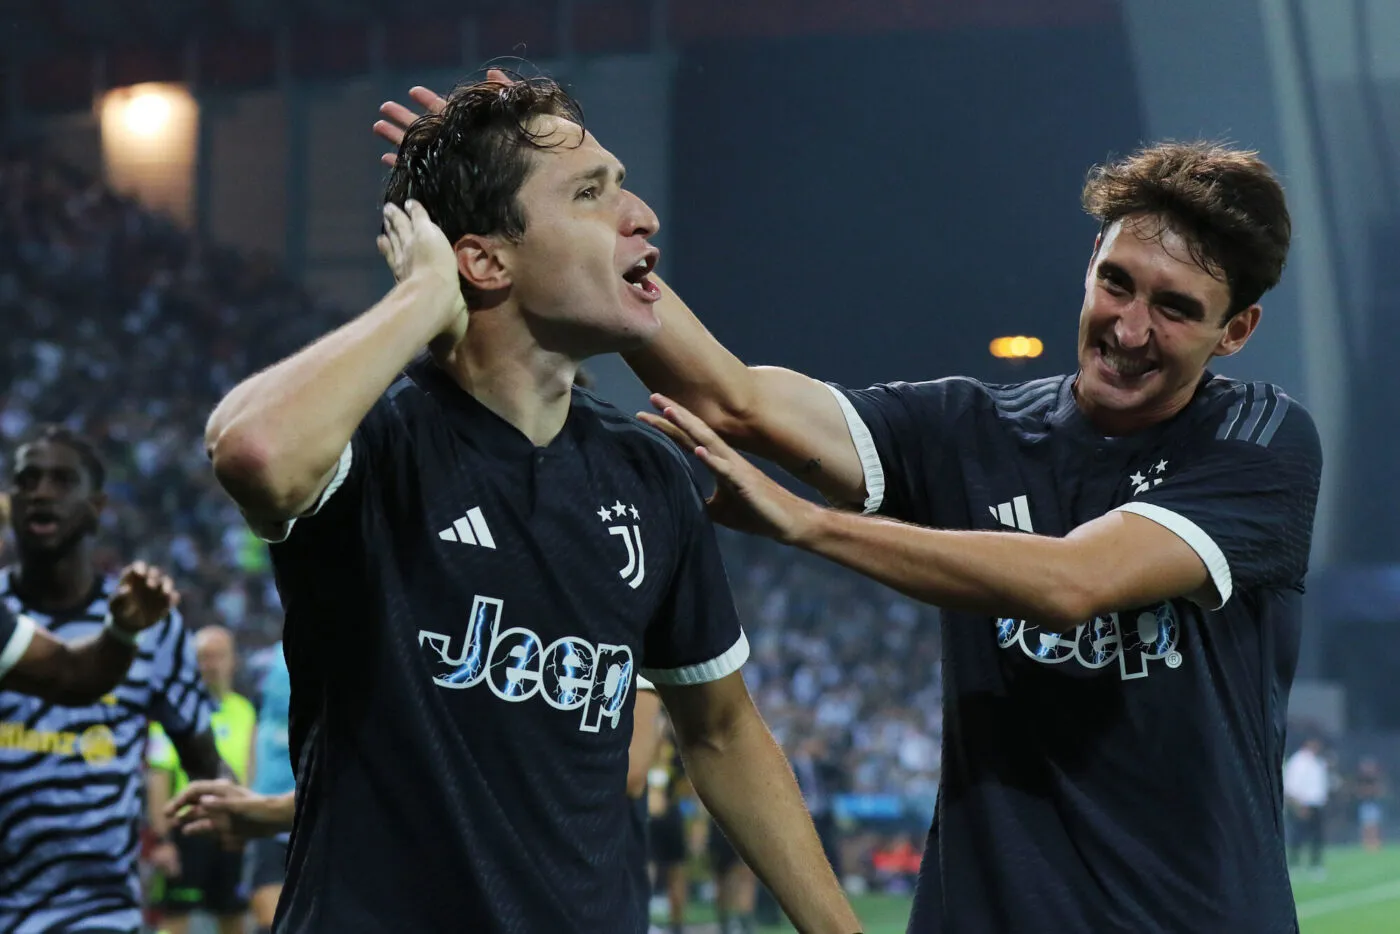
[637, 321]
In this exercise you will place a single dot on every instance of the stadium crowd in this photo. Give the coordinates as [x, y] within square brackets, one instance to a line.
[86, 276]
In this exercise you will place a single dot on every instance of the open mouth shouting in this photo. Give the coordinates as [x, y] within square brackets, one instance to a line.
[637, 276]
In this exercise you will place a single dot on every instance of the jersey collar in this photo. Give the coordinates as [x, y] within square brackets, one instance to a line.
[489, 431]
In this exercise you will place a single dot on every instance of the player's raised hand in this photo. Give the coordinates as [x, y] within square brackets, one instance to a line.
[415, 247]
[745, 498]
[145, 595]
[398, 118]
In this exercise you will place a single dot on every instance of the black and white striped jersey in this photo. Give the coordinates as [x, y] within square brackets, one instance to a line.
[72, 779]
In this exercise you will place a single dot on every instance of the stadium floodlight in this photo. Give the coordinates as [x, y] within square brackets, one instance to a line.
[147, 113]
[1017, 348]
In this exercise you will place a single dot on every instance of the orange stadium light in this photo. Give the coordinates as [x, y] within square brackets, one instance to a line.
[1016, 348]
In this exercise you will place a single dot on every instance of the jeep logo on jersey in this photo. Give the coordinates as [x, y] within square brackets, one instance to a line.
[1152, 636]
[570, 673]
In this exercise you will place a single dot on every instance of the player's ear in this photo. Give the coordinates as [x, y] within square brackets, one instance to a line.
[480, 263]
[1237, 331]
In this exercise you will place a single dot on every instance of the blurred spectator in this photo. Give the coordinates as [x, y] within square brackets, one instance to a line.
[1369, 788]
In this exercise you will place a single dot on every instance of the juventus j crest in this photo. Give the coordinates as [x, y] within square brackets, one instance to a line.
[624, 522]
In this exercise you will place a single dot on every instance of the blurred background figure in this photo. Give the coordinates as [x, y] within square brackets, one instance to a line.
[200, 874]
[1369, 788]
[1306, 787]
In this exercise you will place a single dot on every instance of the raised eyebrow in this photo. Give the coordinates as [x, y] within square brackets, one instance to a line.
[600, 173]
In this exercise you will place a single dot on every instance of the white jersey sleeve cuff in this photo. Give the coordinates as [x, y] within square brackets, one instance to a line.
[19, 644]
[275, 532]
[644, 684]
[731, 661]
[1192, 534]
[865, 450]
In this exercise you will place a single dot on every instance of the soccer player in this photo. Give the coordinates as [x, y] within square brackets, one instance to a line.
[210, 874]
[1119, 552]
[475, 558]
[72, 776]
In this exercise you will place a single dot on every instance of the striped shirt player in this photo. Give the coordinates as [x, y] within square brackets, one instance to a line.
[71, 780]
[1124, 774]
[465, 617]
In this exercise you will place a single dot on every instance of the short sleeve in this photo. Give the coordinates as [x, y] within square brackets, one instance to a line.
[695, 637]
[179, 701]
[901, 431]
[355, 471]
[16, 632]
[1243, 496]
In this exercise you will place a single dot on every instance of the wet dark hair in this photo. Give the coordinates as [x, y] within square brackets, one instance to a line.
[92, 463]
[1226, 203]
[466, 165]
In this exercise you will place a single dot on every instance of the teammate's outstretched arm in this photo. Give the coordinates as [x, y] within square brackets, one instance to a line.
[277, 437]
[745, 782]
[776, 413]
[1115, 561]
[35, 662]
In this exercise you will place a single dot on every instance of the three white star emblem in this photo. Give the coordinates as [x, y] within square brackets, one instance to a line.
[618, 509]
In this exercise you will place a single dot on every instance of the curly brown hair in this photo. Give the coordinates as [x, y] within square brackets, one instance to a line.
[1226, 203]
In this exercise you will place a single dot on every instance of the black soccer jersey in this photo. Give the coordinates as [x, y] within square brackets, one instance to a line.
[1125, 776]
[465, 617]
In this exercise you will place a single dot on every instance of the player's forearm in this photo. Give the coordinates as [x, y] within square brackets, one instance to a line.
[686, 362]
[277, 435]
[778, 414]
[996, 574]
[75, 674]
[748, 786]
[277, 814]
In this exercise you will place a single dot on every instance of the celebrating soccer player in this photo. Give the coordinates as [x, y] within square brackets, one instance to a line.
[476, 558]
[1120, 553]
[72, 775]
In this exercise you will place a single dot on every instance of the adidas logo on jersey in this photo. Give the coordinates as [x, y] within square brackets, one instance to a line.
[471, 529]
[1015, 514]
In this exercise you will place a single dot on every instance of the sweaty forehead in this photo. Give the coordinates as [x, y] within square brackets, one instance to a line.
[1152, 250]
[565, 145]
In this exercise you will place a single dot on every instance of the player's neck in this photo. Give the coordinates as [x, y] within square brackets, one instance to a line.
[507, 371]
[56, 584]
